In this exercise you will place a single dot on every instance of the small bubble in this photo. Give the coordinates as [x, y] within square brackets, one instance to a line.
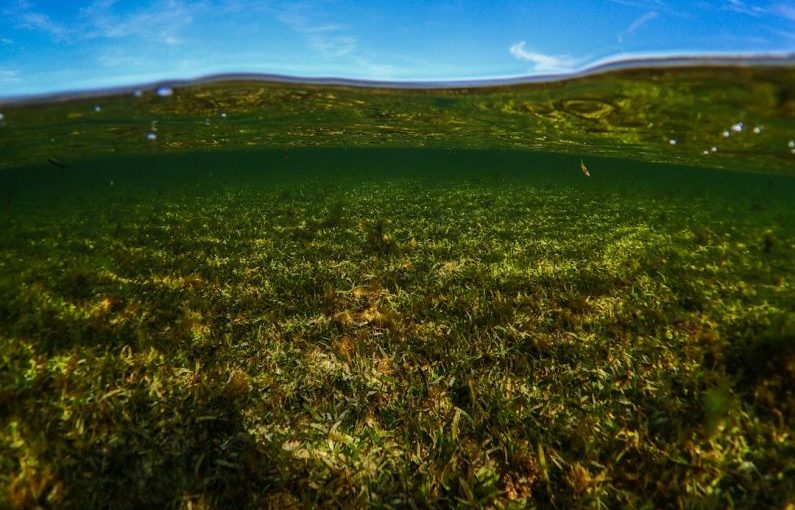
[705, 151]
[757, 130]
[714, 149]
[726, 134]
[164, 91]
[672, 141]
[151, 136]
[138, 92]
[206, 122]
[738, 128]
[111, 183]
[223, 115]
[2, 117]
[52, 140]
[97, 108]
[791, 144]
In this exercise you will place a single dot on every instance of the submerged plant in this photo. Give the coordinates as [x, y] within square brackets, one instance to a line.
[229, 347]
[378, 238]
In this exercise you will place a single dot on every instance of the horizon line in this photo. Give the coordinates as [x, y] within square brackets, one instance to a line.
[620, 62]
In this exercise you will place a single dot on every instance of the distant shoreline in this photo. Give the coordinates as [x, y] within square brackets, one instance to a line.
[619, 63]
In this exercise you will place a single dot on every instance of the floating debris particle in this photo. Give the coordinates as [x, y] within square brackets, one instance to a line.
[55, 162]
[738, 128]
[584, 168]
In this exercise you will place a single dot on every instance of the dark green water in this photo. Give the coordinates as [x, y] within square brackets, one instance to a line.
[339, 296]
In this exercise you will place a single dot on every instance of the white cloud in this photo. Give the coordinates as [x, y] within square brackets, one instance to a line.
[334, 46]
[785, 11]
[641, 21]
[635, 25]
[115, 59]
[740, 7]
[160, 22]
[541, 61]
[9, 76]
[642, 4]
[38, 21]
[328, 39]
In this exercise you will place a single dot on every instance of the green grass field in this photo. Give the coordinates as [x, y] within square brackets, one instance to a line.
[395, 329]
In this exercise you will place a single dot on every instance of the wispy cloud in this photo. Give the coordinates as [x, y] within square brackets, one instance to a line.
[9, 76]
[642, 4]
[542, 61]
[32, 20]
[329, 39]
[158, 21]
[741, 7]
[161, 22]
[785, 11]
[120, 59]
[6, 41]
[662, 7]
[635, 25]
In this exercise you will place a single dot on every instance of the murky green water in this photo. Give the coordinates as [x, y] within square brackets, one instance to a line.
[254, 294]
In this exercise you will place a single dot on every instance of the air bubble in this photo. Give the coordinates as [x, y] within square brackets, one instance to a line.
[223, 115]
[2, 117]
[705, 151]
[151, 136]
[738, 128]
[97, 108]
[714, 149]
[757, 130]
[164, 91]
[672, 141]
[726, 134]
[791, 144]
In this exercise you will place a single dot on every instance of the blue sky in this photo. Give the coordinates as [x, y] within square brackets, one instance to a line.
[58, 45]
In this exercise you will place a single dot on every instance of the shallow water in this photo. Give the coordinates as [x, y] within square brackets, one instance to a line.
[367, 297]
[731, 117]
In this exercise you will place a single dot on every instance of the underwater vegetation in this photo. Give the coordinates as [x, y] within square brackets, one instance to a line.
[735, 117]
[395, 328]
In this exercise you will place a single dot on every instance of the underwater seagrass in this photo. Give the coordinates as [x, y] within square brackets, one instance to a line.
[249, 294]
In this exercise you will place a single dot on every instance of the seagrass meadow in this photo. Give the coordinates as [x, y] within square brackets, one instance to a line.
[410, 313]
